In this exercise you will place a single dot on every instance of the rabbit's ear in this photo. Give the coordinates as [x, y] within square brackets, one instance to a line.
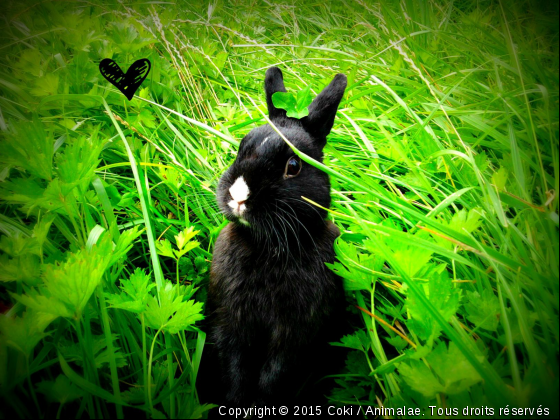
[274, 82]
[322, 110]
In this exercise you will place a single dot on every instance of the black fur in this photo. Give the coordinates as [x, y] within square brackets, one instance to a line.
[272, 304]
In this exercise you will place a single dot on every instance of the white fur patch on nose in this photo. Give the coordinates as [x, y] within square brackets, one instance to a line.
[235, 206]
[239, 190]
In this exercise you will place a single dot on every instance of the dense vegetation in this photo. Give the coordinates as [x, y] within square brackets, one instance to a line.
[444, 168]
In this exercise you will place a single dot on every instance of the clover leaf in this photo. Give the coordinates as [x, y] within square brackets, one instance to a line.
[296, 107]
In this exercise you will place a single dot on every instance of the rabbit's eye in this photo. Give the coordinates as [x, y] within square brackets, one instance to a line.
[293, 167]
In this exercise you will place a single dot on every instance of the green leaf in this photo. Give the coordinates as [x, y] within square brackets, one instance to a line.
[128, 200]
[295, 107]
[31, 61]
[73, 352]
[483, 310]
[134, 293]
[172, 178]
[397, 342]
[420, 378]
[26, 269]
[356, 363]
[348, 392]
[124, 244]
[199, 410]
[304, 99]
[499, 178]
[74, 281]
[29, 147]
[164, 248]
[23, 333]
[184, 242]
[188, 247]
[450, 372]
[126, 38]
[46, 85]
[185, 236]
[77, 163]
[57, 198]
[39, 299]
[67, 286]
[462, 221]
[443, 296]
[18, 245]
[24, 191]
[135, 394]
[350, 341]
[174, 314]
[41, 228]
[61, 390]
[87, 385]
[284, 100]
[452, 368]
[411, 258]
[355, 268]
[358, 341]
[515, 326]
[156, 414]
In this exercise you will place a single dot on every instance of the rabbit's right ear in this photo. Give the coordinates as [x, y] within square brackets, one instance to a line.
[274, 82]
[322, 110]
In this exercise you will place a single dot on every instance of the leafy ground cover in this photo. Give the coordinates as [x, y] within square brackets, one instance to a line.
[444, 167]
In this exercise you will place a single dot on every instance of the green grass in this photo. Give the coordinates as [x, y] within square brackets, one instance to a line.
[444, 167]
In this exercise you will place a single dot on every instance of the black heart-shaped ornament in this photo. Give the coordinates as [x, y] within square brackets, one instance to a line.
[127, 82]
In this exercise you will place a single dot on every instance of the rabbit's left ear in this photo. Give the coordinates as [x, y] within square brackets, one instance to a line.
[274, 82]
[323, 109]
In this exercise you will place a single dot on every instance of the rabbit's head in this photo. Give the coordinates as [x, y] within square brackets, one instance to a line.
[264, 186]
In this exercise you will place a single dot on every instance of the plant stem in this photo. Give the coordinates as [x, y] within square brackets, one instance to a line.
[171, 374]
[110, 349]
[144, 361]
[59, 411]
[77, 326]
[31, 389]
[150, 371]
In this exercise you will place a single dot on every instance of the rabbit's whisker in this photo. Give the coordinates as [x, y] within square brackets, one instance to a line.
[294, 216]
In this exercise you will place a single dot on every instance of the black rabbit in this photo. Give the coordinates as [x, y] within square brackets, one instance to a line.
[273, 305]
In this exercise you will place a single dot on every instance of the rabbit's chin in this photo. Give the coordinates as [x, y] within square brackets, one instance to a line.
[241, 219]
[243, 222]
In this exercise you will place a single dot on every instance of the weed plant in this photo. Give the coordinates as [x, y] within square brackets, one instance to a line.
[444, 168]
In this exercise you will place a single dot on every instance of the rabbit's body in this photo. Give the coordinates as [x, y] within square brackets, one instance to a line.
[273, 305]
[271, 316]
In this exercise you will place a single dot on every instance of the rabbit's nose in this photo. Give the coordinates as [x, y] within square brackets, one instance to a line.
[239, 192]
[237, 206]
